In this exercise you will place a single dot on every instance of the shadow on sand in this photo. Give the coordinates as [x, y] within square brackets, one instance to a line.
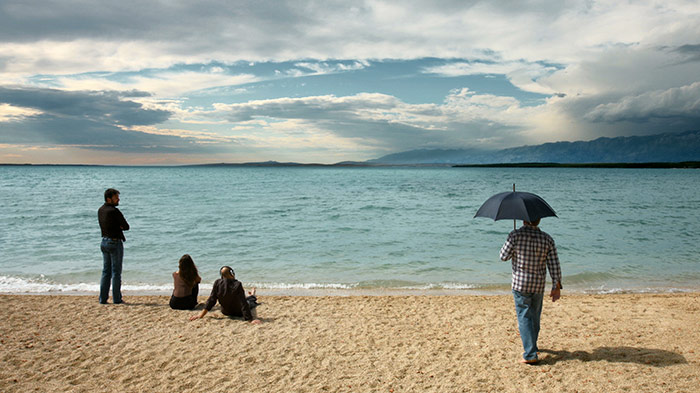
[648, 356]
[198, 307]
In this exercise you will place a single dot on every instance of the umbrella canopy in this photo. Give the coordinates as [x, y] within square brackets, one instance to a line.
[515, 206]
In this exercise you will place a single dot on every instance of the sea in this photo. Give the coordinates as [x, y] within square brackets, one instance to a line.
[346, 230]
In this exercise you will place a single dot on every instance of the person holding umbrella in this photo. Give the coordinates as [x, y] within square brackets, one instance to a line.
[532, 252]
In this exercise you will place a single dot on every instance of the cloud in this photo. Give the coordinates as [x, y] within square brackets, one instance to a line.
[95, 120]
[383, 122]
[681, 102]
[521, 74]
[199, 137]
[74, 132]
[321, 68]
[103, 107]
[168, 83]
[10, 113]
[691, 51]
[622, 71]
[68, 37]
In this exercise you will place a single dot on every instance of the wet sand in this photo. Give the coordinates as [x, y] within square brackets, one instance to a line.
[589, 343]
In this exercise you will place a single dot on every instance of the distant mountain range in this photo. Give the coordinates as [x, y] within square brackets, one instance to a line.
[668, 147]
[669, 150]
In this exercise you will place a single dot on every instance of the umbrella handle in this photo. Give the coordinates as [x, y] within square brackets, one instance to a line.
[514, 219]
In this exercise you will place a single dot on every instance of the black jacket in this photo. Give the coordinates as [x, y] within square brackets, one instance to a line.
[230, 294]
[112, 222]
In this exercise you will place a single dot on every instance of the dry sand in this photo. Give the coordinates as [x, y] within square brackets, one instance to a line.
[589, 343]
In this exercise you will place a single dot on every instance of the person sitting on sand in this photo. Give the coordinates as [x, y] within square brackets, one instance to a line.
[229, 292]
[186, 285]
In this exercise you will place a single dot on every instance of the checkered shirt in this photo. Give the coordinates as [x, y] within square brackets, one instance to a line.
[532, 251]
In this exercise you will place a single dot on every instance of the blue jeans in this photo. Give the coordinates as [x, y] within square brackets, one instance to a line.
[528, 308]
[112, 255]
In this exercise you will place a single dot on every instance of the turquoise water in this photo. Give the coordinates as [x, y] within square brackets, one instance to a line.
[354, 229]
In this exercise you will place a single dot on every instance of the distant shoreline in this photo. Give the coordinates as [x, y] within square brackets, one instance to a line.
[682, 165]
[272, 164]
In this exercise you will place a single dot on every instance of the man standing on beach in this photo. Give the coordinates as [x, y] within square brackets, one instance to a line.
[230, 294]
[112, 225]
[532, 252]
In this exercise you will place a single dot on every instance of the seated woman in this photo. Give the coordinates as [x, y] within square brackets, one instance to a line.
[186, 282]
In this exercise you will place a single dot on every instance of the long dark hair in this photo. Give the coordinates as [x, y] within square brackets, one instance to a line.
[188, 271]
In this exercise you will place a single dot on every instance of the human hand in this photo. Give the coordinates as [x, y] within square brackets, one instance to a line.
[194, 317]
[255, 322]
[555, 294]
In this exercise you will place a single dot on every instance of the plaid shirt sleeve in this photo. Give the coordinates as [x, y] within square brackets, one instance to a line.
[507, 249]
[553, 266]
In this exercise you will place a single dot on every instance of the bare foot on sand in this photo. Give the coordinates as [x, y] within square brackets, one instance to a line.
[531, 361]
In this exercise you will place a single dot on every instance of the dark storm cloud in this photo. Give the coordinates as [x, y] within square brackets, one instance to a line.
[85, 133]
[691, 51]
[90, 119]
[679, 104]
[32, 20]
[24, 21]
[106, 106]
[672, 110]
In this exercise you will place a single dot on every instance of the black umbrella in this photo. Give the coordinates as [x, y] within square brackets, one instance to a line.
[515, 206]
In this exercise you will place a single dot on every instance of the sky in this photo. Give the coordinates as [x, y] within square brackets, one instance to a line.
[189, 82]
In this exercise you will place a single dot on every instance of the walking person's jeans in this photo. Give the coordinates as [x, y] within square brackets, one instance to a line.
[112, 255]
[528, 308]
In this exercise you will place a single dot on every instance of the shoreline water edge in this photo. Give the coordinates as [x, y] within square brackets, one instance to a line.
[15, 286]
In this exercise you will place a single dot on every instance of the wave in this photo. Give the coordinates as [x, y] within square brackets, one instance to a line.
[279, 285]
[12, 284]
[412, 285]
[602, 290]
[42, 285]
[9, 284]
[377, 207]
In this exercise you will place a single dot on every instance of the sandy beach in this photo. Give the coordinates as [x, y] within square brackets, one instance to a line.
[589, 343]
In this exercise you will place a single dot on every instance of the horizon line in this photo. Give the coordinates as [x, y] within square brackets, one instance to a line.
[359, 164]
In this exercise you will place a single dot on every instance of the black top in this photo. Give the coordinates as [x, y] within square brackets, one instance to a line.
[230, 294]
[112, 222]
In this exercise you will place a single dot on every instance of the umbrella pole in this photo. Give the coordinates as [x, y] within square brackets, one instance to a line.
[514, 220]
